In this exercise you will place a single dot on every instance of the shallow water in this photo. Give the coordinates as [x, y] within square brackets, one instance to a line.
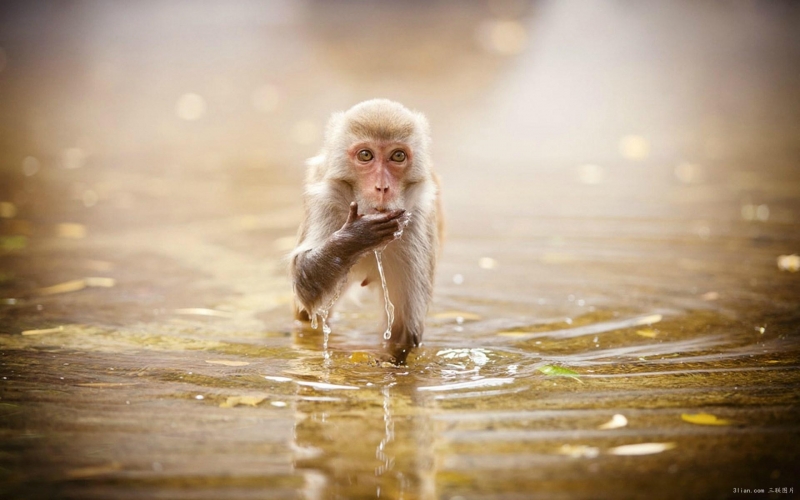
[645, 284]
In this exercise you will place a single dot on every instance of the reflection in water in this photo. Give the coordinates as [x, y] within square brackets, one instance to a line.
[375, 442]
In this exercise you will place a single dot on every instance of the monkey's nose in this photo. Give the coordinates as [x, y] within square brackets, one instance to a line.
[382, 190]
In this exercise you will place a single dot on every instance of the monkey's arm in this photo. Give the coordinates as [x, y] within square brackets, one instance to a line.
[316, 272]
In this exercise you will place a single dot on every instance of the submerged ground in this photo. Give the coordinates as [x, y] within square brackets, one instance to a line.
[620, 182]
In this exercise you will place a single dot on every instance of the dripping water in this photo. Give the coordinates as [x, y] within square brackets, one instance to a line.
[387, 303]
[322, 313]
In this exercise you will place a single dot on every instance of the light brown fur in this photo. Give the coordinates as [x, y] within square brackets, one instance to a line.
[333, 246]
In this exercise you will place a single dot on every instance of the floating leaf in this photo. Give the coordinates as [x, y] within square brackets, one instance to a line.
[44, 331]
[69, 286]
[579, 451]
[647, 332]
[704, 419]
[96, 470]
[616, 422]
[789, 263]
[7, 210]
[242, 400]
[359, 357]
[641, 448]
[108, 384]
[100, 282]
[226, 362]
[76, 285]
[71, 230]
[10, 243]
[513, 334]
[559, 371]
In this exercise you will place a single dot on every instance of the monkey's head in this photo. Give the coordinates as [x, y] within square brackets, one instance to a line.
[378, 147]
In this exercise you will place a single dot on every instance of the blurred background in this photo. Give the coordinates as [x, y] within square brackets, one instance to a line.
[129, 102]
[598, 159]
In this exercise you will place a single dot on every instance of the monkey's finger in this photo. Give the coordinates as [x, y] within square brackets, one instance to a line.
[353, 214]
[393, 225]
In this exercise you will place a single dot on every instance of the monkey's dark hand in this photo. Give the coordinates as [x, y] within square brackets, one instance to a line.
[362, 233]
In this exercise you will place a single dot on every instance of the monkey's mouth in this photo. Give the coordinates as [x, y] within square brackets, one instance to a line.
[378, 210]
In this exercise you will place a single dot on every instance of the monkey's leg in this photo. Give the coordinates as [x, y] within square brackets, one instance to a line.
[410, 297]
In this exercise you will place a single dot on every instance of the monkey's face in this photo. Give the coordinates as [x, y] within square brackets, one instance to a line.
[380, 169]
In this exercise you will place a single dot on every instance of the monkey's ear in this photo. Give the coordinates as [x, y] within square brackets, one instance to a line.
[422, 123]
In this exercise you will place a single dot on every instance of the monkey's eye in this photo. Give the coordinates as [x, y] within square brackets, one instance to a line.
[399, 155]
[364, 155]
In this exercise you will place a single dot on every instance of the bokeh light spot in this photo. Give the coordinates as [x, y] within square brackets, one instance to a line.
[634, 147]
[72, 158]
[487, 263]
[7, 210]
[502, 37]
[89, 198]
[591, 174]
[689, 173]
[190, 107]
[30, 166]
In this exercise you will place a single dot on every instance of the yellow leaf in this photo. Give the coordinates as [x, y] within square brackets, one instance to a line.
[647, 332]
[513, 334]
[97, 470]
[641, 448]
[616, 422]
[242, 400]
[71, 230]
[226, 362]
[108, 384]
[76, 285]
[69, 286]
[704, 419]
[359, 357]
[44, 331]
[100, 282]
[578, 451]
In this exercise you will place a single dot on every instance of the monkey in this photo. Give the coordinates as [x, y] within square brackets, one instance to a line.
[371, 187]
